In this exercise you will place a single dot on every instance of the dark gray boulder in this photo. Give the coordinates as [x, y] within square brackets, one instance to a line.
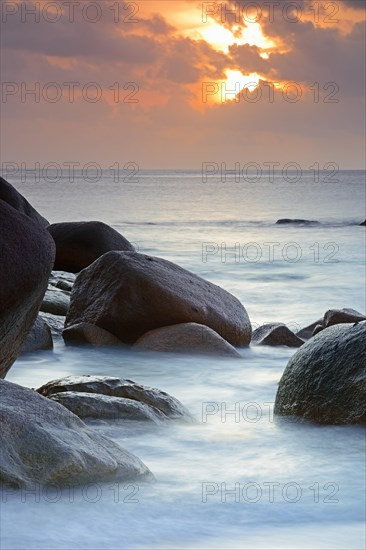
[363, 223]
[338, 316]
[276, 334]
[117, 387]
[186, 338]
[44, 443]
[27, 255]
[11, 196]
[307, 332]
[39, 338]
[129, 294]
[79, 244]
[56, 302]
[56, 324]
[325, 380]
[106, 407]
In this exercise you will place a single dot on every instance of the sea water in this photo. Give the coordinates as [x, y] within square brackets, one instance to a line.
[237, 477]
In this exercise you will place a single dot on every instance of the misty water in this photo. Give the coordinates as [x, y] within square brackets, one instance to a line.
[237, 477]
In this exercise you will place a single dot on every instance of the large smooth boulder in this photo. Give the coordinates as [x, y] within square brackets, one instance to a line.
[39, 338]
[186, 338]
[276, 334]
[11, 196]
[325, 380]
[117, 387]
[26, 259]
[129, 294]
[44, 443]
[86, 333]
[79, 244]
[106, 407]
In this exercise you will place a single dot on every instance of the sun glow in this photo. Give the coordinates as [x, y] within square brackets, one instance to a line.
[237, 80]
[222, 38]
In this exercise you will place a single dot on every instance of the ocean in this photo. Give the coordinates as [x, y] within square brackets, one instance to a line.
[237, 478]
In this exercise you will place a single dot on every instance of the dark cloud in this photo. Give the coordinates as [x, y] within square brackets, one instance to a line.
[356, 4]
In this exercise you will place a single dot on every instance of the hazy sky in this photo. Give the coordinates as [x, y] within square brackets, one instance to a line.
[153, 82]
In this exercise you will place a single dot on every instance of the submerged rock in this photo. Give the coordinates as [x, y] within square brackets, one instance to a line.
[11, 196]
[276, 334]
[39, 338]
[98, 406]
[44, 443]
[325, 380]
[117, 387]
[86, 333]
[129, 294]
[295, 221]
[79, 244]
[186, 338]
[26, 259]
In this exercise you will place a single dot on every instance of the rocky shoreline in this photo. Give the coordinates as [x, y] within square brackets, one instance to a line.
[85, 283]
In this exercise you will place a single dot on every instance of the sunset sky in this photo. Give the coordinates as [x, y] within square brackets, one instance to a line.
[177, 59]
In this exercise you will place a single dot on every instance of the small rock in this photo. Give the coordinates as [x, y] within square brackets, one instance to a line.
[337, 316]
[325, 380]
[39, 338]
[186, 338]
[44, 443]
[276, 334]
[307, 332]
[317, 329]
[363, 223]
[86, 333]
[56, 302]
[98, 406]
[79, 244]
[117, 387]
[55, 322]
[296, 222]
